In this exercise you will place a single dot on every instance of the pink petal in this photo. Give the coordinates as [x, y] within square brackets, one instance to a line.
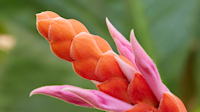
[99, 99]
[123, 45]
[147, 68]
[56, 91]
[128, 70]
[83, 97]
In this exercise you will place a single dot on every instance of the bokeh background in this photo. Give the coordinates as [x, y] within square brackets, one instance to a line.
[167, 29]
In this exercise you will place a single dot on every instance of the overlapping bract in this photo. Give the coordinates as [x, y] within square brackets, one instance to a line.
[93, 59]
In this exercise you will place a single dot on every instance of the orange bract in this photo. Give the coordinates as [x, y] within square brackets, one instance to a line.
[108, 67]
[171, 103]
[84, 46]
[102, 44]
[62, 49]
[46, 15]
[119, 88]
[143, 107]
[140, 91]
[61, 30]
[86, 68]
[43, 27]
[78, 26]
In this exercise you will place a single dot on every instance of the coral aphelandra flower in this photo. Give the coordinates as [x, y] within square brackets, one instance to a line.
[128, 82]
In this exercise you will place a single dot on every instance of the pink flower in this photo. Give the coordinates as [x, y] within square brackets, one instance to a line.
[128, 82]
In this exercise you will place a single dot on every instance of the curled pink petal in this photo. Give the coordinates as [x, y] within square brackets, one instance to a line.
[123, 45]
[128, 70]
[83, 97]
[99, 99]
[147, 68]
[56, 91]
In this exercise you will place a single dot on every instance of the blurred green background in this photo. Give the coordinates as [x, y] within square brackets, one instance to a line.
[168, 30]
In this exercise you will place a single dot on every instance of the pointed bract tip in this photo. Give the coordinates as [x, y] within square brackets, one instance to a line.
[31, 94]
[109, 25]
[107, 20]
[132, 36]
[40, 90]
[115, 34]
[132, 32]
[35, 91]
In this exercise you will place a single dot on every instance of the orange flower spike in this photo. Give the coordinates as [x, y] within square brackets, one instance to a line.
[93, 59]
[140, 91]
[68, 36]
[171, 103]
